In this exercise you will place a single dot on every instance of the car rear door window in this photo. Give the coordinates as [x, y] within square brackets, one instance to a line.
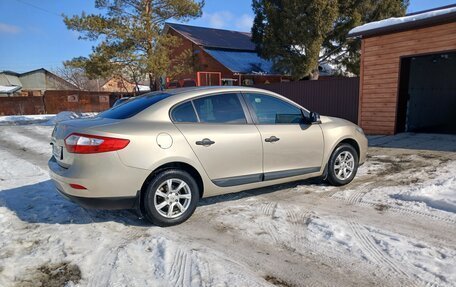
[222, 108]
[134, 106]
[271, 110]
[184, 113]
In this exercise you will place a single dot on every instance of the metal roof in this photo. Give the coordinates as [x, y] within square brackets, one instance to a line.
[215, 38]
[9, 79]
[244, 62]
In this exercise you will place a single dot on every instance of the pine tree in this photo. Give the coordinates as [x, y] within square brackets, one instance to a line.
[130, 39]
[297, 35]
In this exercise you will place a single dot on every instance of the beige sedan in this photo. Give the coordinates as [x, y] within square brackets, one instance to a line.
[161, 152]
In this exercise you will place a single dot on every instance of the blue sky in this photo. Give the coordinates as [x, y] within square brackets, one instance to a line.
[33, 35]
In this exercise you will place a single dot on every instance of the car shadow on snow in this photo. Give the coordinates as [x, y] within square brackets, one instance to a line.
[40, 203]
[259, 191]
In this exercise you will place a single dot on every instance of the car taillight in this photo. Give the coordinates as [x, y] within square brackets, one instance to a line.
[82, 143]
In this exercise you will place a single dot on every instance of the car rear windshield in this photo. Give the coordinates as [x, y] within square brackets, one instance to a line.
[134, 106]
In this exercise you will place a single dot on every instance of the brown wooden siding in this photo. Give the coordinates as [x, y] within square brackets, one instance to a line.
[380, 65]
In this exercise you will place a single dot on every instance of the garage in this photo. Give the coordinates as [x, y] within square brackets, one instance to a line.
[427, 94]
[408, 73]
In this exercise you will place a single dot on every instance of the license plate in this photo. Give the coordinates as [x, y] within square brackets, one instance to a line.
[57, 151]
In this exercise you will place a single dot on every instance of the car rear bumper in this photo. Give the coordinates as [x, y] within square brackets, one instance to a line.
[108, 203]
[108, 183]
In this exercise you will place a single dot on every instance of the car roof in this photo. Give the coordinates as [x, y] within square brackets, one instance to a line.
[211, 89]
[180, 95]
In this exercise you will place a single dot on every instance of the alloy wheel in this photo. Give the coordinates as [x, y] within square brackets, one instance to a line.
[344, 165]
[172, 198]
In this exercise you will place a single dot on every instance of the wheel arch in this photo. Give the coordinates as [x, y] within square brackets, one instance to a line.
[351, 142]
[347, 140]
[171, 165]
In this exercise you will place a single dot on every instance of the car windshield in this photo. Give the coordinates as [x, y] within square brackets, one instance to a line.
[134, 106]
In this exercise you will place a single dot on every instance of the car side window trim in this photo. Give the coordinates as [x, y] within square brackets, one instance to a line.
[245, 106]
[196, 113]
[254, 116]
[177, 106]
[245, 109]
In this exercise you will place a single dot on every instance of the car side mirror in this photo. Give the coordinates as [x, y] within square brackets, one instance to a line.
[314, 118]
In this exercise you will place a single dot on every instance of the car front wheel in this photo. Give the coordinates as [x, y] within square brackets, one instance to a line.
[342, 165]
[171, 197]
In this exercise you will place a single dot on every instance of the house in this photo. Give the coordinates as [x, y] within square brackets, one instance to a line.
[119, 84]
[408, 73]
[222, 57]
[34, 83]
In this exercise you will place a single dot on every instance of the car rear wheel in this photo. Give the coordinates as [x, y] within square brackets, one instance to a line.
[342, 165]
[171, 197]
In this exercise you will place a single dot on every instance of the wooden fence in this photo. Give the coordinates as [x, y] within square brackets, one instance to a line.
[53, 102]
[338, 97]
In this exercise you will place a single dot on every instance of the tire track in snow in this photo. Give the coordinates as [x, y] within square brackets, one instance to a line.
[371, 250]
[356, 196]
[327, 194]
[187, 269]
[269, 208]
[181, 270]
[410, 211]
[103, 276]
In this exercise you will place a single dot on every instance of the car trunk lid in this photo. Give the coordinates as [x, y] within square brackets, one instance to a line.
[63, 129]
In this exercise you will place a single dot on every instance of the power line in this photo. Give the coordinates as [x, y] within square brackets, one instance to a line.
[39, 8]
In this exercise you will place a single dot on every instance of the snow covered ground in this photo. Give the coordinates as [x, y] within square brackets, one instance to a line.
[393, 226]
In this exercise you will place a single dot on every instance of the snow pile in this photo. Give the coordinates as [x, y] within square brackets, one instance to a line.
[43, 119]
[399, 20]
[437, 194]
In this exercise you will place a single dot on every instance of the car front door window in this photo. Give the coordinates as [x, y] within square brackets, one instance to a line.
[270, 110]
[291, 146]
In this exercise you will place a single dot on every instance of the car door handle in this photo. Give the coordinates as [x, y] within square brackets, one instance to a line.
[271, 139]
[205, 142]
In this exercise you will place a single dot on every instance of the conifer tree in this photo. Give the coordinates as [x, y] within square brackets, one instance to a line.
[130, 39]
[297, 35]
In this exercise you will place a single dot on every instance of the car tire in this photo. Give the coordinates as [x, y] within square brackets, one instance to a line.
[159, 199]
[341, 161]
